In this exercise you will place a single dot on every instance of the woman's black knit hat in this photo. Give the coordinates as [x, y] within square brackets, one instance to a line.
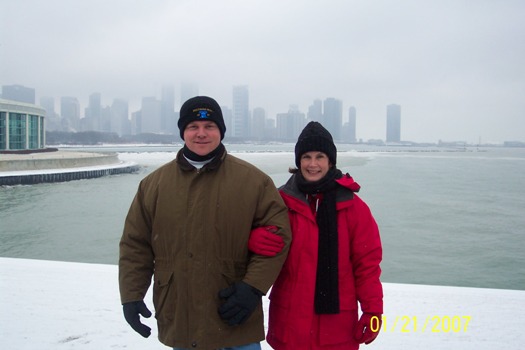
[200, 108]
[315, 137]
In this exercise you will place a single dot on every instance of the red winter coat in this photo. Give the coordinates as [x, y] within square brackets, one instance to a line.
[293, 324]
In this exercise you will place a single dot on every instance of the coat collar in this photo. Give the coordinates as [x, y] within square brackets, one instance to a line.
[345, 192]
[213, 165]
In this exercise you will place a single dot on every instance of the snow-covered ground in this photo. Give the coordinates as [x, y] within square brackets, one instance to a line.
[59, 305]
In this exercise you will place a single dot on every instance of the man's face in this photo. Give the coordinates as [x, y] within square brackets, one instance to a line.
[202, 136]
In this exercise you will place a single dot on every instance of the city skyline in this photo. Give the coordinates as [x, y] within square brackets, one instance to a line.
[455, 66]
[159, 115]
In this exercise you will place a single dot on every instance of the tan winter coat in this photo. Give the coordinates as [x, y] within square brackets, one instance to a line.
[189, 229]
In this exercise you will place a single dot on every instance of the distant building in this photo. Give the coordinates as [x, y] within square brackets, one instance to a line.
[136, 122]
[70, 112]
[119, 120]
[93, 114]
[53, 122]
[18, 93]
[333, 117]
[290, 125]
[269, 129]
[241, 112]
[151, 116]
[258, 123]
[315, 112]
[393, 123]
[187, 91]
[513, 144]
[22, 126]
[349, 128]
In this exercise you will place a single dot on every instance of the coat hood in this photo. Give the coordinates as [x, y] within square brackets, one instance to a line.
[348, 182]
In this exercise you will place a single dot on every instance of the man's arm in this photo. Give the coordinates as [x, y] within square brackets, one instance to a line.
[264, 241]
[271, 211]
[136, 259]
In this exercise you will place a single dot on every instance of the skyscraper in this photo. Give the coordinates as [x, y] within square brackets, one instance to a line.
[93, 113]
[333, 116]
[52, 118]
[241, 112]
[18, 93]
[70, 112]
[120, 122]
[315, 111]
[187, 91]
[151, 116]
[289, 125]
[350, 130]
[258, 123]
[393, 123]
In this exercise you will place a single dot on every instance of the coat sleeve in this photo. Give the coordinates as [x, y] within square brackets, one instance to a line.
[366, 255]
[136, 259]
[262, 271]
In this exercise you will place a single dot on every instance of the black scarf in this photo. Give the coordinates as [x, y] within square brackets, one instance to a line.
[195, 157]
[327, 281]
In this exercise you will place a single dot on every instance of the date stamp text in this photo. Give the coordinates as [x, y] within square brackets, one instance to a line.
[413, 324]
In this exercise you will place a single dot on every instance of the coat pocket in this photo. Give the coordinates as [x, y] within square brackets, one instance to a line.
[233, 271]
[164, 297]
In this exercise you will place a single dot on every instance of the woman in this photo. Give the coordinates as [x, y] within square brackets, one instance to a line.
[333, 262]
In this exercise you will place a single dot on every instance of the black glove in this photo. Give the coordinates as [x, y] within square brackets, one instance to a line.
[131, 314]
[241, 300]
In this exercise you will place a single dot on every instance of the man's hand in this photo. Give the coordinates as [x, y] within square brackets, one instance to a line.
[363, 332]
[264, 241]
[241, 300]
[132, 310]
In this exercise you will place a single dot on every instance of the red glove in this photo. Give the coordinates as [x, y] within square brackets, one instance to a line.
[365, 325]
[264, 241]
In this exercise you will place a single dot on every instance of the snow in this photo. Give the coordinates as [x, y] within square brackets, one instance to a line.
[62, 305]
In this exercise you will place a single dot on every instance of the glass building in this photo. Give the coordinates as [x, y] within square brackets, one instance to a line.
[22, 126]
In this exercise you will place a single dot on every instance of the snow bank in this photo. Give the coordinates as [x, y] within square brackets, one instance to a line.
[59, 305]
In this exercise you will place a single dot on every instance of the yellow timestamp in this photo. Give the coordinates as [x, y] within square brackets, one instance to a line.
[413, 324]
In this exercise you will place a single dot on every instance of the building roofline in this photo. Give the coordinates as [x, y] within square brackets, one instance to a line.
[16, 106]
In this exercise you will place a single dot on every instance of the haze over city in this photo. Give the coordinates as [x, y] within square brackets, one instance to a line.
[455, 67]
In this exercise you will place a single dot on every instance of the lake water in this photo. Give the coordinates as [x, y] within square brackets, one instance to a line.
[447, 217]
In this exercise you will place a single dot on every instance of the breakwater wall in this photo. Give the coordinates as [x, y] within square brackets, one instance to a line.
[32, 169]
[31, 179]
[58, 160]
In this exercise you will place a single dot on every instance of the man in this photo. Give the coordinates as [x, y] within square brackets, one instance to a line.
[188, 227]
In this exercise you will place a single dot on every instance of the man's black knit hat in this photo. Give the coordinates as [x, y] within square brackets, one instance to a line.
[315, 137]
[200, 108]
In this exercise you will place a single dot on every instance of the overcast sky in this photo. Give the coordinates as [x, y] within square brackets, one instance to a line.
[456, 67]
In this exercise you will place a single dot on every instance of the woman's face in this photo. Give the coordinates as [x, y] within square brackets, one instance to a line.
[314, 165]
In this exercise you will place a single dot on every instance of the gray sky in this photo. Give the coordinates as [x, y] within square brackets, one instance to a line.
[456, 67]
